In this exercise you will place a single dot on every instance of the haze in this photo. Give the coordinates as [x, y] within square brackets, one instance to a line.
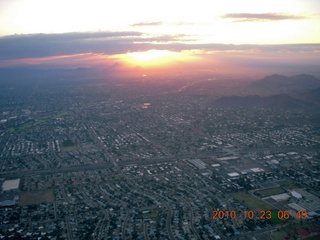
[150, 38]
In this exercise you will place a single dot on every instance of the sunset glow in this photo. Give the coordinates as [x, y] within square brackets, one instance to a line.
[153, 58]
[166, 34]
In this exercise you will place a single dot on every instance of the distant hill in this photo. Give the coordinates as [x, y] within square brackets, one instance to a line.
[9, 74]
[311, 96]
[281, 84]
[280, 101]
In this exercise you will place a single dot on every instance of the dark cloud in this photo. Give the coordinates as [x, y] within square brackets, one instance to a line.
[253, 17]
[43, 45]
[142, 24]
[294, 48]
[46, 45]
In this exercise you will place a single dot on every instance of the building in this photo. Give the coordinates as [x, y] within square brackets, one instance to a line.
[12, 184]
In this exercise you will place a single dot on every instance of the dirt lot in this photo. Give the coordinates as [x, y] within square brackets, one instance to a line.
[37, 197]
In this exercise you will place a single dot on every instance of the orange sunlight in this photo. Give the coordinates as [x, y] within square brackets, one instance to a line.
[153, 59]
[150, 56]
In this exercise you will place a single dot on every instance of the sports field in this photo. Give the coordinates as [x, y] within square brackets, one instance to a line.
[251, 202]
[270, 192]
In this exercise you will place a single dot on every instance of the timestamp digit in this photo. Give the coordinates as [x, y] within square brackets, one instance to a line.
[215, 214]
[221, 214]
[265, 214]
[302, 214]
[233, 214]
[283, 214]
[248, 214]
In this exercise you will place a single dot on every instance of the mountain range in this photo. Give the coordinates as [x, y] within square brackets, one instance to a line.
[279, 101]
[275, 84]
[296, 92]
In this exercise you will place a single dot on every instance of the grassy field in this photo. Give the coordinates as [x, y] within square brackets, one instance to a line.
[37, 197]
[38, 121]
[279, 235]
[251, 202]
[270, 192]
[70, 148]
[291, 186]
[23, 126]
[152, 214]
[258, 205]
[68, 145]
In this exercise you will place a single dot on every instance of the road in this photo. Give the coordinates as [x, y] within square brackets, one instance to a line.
[89, 167]
[113, 163]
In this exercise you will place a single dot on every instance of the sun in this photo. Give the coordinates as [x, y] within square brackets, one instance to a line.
[150, 55]
[150, 58]
[154, 61]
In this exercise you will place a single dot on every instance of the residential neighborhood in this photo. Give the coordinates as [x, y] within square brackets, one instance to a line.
[90, 162]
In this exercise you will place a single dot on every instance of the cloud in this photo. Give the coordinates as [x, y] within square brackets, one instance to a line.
[43, 45]
[143, 24]
[219, 47]
[109, 43]
[258, 17]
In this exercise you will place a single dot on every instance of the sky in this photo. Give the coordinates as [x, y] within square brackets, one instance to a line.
[152, 37]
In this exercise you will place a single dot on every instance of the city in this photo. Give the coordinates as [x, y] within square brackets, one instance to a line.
[159, 120]
[148, 159]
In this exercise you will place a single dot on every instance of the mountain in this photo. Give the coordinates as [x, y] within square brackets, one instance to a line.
[311, 96]
[282, 84]
[279, 101]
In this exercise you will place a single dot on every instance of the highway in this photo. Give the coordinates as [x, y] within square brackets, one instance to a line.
[113, 163]
[82, 168]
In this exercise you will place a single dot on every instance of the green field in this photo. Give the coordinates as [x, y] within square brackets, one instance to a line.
[24, 126]
[152, 214]
[279, 235]
[291, 186]
[251, 202]
[270, 192]
[70, 148]
[38, 121]
[256, 204]
[275, 218]
[68, 145]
